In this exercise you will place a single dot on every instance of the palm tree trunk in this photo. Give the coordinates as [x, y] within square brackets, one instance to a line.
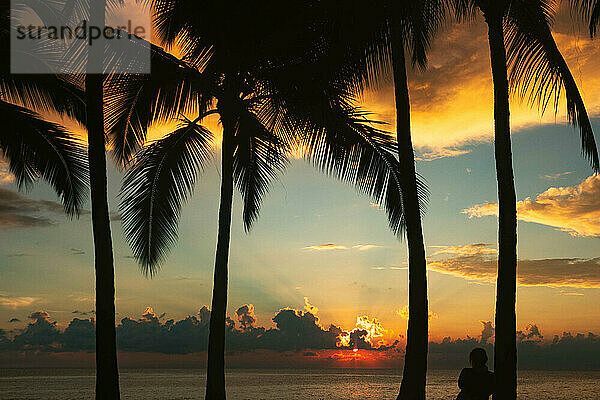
[107, 374]
[215, 378]
[414, 376]
[505, 349]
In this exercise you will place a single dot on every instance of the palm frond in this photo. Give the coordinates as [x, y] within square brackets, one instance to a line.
[539, 71]
[259, 156]
[45, 93]
[590, 10]
[42, 92]
[159, 181]
[421, 21]
[135, 101]
[463, 10]
[39, 149]
[339, 140]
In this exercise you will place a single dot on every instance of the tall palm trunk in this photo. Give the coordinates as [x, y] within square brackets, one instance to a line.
[107, 374]
[415, 361]
[505, 349]
[215, 379]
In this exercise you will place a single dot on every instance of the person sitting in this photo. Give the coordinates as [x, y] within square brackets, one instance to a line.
[476, 383]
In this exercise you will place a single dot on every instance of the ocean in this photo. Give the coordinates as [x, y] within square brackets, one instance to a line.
[69, 384]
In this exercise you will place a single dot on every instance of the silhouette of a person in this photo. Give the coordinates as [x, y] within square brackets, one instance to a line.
[476, 383]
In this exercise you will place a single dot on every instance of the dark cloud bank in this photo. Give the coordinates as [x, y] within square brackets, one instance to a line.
[297, 335]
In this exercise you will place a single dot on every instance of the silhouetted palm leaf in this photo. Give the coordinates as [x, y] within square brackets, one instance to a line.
[590, 10]
[135, 101]
[159, 181]
[337, 137]
[539, 69]
[41, 92]
[259, 156]
[36, 148]
[348, 147]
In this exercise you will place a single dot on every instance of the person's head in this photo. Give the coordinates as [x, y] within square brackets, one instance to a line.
[478, 357]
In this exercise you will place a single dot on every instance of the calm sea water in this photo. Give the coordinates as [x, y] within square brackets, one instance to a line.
[280, 384]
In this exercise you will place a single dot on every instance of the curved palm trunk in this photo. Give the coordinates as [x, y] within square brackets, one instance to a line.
[107, 374]
[215, 378]
[415, 361]
[505, 349]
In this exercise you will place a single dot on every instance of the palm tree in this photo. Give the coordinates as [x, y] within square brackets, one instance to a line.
[375, 39]
[520, 38]
[107, 373]
[266, 99]
[86, 106]
[413, 25]
[84, 99]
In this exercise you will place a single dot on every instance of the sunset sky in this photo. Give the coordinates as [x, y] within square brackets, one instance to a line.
[318, 243]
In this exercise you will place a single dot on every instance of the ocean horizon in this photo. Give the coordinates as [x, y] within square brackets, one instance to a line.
[330, 384]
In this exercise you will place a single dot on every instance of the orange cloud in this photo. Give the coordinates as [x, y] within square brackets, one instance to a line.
[310, 308]
[572, 209]
[365, 247]
[328, 246]
[148, 315]
[467, 249]
[5, 175]
[441, 153]
[369, 331]
[555, 272]
[333, 246]
[16, 302]
[404, 313]
[452, 102]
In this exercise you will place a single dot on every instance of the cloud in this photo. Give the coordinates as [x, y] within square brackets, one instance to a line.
[40, 334]
[366, 247]
[297, 336]
[245, 316]
[441, 153]
[149, 315]
[16, 302]
[530, 333]
[328, 246]
[40, 316]
[6, 176]
[368, 333]
[309, 307]
[467, 249]
[452, 102]
[294, 330]
[84, 313]
[404, 313]
[554, 272]
[572, 209]
[332, 246]
[18, 211]
[76, 251]
[487, 332]
[553, 177]
[392, 267]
